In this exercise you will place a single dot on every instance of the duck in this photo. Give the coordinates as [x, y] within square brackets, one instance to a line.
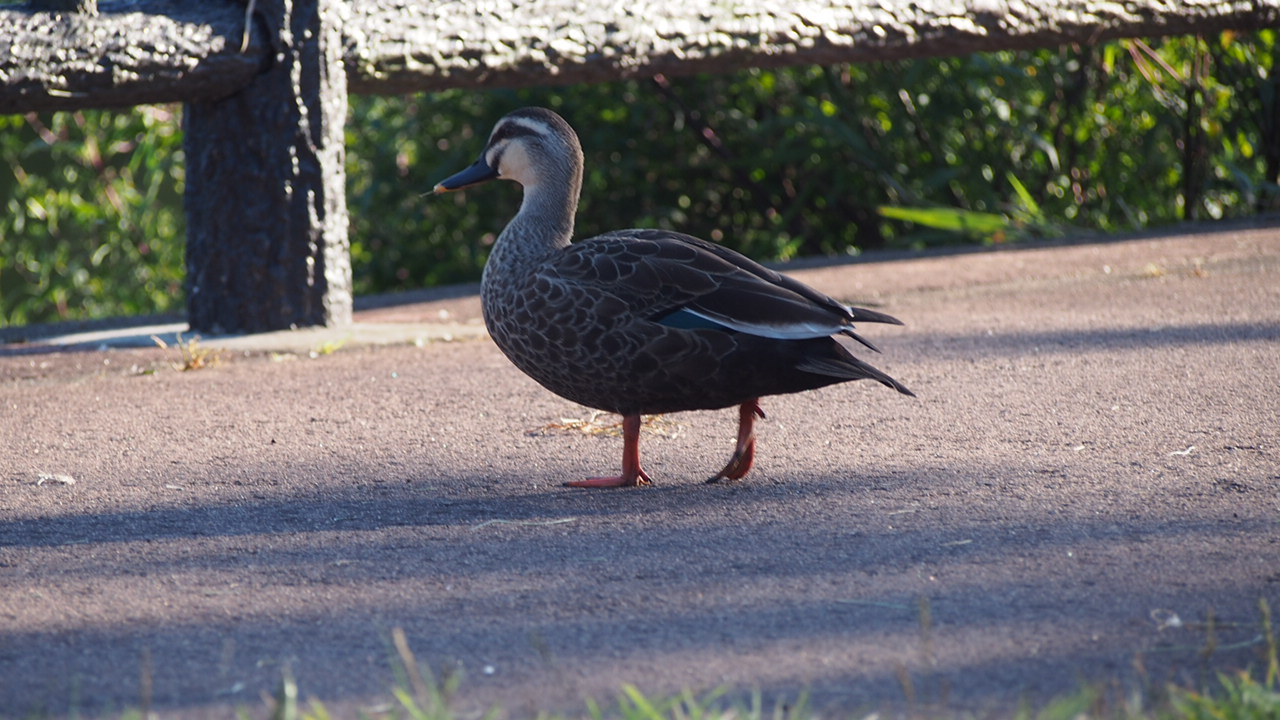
[645, 321]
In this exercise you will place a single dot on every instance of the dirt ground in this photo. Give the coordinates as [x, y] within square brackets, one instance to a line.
[1091, 470]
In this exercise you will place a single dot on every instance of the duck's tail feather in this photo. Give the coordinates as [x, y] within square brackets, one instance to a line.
[850, 367]
[861, 314]
[859, 338]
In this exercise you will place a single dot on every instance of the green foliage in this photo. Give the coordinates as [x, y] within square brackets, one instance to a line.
[1241, 697]
[991, 148]
[834, 160]
[92, 223]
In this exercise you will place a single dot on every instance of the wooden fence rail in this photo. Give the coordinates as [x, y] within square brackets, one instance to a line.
[265, 84]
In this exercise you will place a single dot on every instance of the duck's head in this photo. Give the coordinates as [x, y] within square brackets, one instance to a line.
[531, 146]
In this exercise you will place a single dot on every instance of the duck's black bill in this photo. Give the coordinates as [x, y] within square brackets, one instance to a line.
[479, 172]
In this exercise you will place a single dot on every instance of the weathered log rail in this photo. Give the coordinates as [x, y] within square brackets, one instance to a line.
[404, 46]
[266, 81]
[128, 53]
[152, 51]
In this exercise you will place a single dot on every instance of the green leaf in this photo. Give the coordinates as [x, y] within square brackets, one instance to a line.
[1029, 203]
[970, 222]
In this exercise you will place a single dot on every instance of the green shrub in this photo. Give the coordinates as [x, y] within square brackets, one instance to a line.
[92, 223]
[985, 148]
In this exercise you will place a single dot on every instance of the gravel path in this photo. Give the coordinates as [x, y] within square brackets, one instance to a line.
[1092, 466]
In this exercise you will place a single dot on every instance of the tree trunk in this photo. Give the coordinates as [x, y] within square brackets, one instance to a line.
[267, 241]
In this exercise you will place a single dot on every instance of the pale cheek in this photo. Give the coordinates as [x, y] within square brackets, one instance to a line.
[515, 164]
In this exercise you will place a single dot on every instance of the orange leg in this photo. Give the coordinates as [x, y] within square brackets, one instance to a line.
[632, 474]
[745, 453]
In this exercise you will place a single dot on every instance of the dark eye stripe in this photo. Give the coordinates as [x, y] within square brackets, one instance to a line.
[510, 130]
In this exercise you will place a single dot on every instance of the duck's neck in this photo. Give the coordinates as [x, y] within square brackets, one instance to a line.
[544, 224]
[545, 219]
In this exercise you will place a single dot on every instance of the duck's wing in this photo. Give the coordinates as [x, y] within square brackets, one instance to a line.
[682, 281]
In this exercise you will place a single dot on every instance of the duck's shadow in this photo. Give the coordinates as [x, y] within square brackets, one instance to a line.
[473, 502]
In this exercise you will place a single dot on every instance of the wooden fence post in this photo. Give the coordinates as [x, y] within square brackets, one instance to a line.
[267, 245]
